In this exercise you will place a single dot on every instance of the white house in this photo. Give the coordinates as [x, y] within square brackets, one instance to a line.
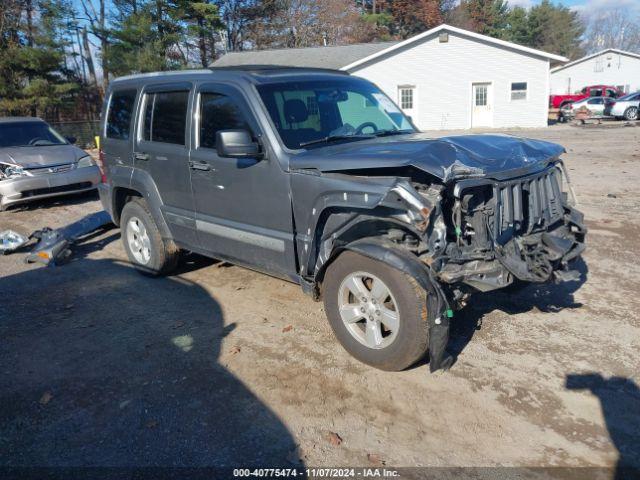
[609, 67]
[444, 78]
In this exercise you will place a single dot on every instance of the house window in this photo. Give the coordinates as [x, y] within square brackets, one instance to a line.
[312, 105]
[406, 98]
[481, 95]
[599, 65]
[519, 91]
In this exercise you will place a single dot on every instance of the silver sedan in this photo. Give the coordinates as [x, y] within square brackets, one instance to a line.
[37, 162]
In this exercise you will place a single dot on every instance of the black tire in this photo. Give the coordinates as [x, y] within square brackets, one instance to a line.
[561, 117]
[412, 338]
[631, 114]
[164, 255]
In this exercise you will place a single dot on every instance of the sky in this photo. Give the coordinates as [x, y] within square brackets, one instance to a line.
[585, 6]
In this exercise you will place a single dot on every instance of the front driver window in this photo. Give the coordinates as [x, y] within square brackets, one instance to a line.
[218, 112]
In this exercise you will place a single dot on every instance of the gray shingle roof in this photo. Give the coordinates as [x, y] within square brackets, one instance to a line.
[323, 57]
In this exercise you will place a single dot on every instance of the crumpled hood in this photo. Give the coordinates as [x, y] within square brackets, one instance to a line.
[35, 157]
[486, 155]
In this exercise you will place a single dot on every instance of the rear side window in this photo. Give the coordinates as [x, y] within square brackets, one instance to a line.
[218, 112]
[120, 113]
[165, 117]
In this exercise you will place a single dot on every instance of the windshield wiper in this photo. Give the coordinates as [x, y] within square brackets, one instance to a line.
[333, 138]
[388, 133]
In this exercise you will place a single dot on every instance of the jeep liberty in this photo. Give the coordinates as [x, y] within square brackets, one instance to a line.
[317, 177]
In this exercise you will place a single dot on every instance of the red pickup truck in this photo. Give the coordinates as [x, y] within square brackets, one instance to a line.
[559, 101]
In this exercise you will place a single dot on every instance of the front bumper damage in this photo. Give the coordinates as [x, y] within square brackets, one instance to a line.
[525, 229]
[20, 185]
[479, 235]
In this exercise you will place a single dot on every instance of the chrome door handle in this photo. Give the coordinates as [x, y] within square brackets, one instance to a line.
[140, 156]
[203, 166]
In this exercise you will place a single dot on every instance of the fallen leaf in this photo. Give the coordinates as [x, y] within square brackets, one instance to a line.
[152, 424]
[288, 328]
[334, 439]
[235, 350]
[46, 398]
[375, 459]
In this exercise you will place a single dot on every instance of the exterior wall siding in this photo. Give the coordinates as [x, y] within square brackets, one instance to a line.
[609, 68]
[443, 74]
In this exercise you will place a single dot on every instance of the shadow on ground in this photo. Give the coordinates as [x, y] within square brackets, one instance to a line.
[546, 297]
[620, 402]
[103, 366]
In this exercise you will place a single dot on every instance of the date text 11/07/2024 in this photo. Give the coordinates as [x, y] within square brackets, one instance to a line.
[316, 473]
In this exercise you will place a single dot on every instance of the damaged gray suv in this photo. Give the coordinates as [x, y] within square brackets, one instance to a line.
[317, 177]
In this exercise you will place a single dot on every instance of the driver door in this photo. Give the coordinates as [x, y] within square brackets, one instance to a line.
[242, 205]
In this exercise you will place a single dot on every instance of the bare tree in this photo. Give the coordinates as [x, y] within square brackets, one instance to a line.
[618, 28]
[97, 18]
[307, 23]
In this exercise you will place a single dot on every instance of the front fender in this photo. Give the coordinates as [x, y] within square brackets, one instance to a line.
[437, 305]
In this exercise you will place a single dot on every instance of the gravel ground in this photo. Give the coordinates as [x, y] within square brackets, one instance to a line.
[219, 365]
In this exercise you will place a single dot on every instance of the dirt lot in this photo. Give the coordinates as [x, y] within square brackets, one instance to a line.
[218, 365]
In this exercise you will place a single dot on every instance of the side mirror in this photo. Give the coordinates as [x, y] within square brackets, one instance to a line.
[71, 140]
[237, 144]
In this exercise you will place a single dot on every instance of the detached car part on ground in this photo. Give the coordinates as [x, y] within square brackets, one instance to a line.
[52, 246]
[326, 183]
[37, 162]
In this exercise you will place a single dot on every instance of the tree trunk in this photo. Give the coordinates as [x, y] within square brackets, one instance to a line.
[104, 46]
[29, 8]
[202, 43]
[88, 57]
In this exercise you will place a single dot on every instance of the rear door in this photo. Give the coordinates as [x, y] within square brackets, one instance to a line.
[243, 208]
[162, 149]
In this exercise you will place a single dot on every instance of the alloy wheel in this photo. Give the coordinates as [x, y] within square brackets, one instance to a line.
[368, 310]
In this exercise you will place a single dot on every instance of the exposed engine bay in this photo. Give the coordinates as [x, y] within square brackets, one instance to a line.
[488, 233]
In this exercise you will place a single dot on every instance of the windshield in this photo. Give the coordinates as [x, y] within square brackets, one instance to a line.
[317, 112]
[29, 134]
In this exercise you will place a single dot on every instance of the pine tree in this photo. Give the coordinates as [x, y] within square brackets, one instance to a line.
[33, 76]
[555, 28]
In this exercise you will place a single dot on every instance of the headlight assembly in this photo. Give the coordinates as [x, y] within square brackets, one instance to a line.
[86, 162]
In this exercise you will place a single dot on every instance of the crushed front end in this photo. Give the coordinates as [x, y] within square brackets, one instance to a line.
[489, 233]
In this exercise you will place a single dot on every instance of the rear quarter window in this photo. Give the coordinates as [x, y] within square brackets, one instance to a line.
[120, 113]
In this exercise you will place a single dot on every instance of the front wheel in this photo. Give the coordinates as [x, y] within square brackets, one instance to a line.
[377, 313]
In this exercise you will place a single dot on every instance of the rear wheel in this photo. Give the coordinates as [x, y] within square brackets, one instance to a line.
[377, 313]
[145, 247]
[631, 114]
